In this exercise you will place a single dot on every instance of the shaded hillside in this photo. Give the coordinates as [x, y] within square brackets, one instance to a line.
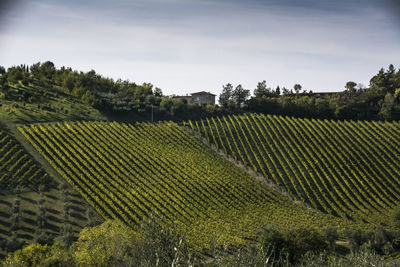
[35, 207]
[345, 168]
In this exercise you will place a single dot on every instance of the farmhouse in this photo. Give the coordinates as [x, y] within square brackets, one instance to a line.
[201, 98]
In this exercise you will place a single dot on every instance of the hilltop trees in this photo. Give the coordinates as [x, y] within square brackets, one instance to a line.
[240, 95]
[122, 97]
[262, 90]
[297, 87]
[2, 70]
[233, 97]
[350, 86]
[226, 95]
[380, 101]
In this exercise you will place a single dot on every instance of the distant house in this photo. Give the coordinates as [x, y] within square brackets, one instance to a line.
[201, 98]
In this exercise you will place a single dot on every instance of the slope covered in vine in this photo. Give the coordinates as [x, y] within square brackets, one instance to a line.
[128, 172]
[345, 168]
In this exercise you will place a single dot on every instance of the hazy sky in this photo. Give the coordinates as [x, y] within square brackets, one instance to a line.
[183, 46]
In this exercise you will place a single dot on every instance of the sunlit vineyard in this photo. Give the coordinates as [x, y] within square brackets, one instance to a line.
[16, 166]
[344, 168]
[127, 172]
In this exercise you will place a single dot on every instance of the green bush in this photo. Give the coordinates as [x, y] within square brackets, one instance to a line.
[31, 255]
[302, 240]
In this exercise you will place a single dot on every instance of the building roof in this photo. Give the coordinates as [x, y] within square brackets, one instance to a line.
[202, 93]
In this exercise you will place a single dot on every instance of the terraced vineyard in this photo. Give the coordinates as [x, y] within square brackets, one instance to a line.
[344, 168]
[16, 166]
[128, 171]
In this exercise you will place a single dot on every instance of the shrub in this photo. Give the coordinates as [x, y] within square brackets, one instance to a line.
[356, 238]
[302, 240]
[67, 235]
[396, 217]
[270, 239]
[330, 235]
[31, 255]
[42, 238]
[108, 244]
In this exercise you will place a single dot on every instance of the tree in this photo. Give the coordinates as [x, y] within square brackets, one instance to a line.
[68, 82]
[397, 95]
[351, 86]
[387, 107]
[15, 75]
[2, 70]
[47, 70]
[396, 217]
[67, 235]
[302, 240]
[31, 255]
[285, 91]
[278, 90]
[41, 217]
[297, 87]
[262, 90]
[226, 95]
[240, 95]
[158, 92]
[330, 235]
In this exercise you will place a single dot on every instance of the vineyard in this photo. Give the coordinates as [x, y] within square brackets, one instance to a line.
[16, 166]
[345, 168]
[129, 171]
[32, 207]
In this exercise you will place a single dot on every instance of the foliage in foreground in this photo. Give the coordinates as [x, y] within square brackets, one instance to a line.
[155, 244]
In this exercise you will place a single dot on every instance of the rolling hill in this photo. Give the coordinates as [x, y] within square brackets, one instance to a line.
[129, 171]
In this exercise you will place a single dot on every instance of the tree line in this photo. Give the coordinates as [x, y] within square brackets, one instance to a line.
[379, 101]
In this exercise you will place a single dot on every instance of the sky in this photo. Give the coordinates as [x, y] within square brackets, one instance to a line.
[185, 46]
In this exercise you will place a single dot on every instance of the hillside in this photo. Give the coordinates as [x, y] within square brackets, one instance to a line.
[35, 207]
[17, 168]
[37, 103]
[345, 168]
[128, 172]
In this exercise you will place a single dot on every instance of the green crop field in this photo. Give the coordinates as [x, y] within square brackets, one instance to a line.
[345, 168]
[128, 171]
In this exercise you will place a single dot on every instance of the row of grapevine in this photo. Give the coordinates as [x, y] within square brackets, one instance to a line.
[345, 168]
[128, 171]
[16, 166]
